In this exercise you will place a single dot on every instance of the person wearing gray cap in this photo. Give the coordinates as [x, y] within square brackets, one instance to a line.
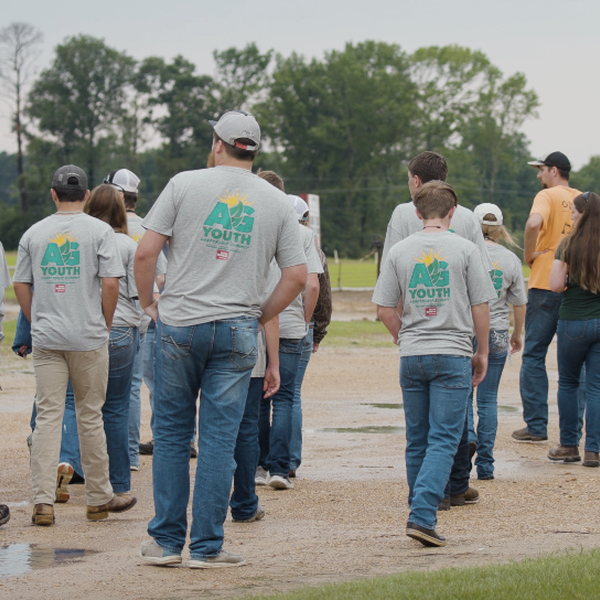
[548, 223]
[224, 226]
[67, 283]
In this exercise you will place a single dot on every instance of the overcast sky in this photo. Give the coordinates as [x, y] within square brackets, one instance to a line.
[554, 43]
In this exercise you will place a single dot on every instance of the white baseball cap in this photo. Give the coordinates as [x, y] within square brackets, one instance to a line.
[300, 206]
[124, 179]
[488, 209]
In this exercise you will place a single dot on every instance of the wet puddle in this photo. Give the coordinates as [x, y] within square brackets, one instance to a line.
[383, 429]
[393, 405]
[18, 559]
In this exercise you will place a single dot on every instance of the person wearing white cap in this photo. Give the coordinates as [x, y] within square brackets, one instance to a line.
[224, 226]
[507, 276]
[548, 223]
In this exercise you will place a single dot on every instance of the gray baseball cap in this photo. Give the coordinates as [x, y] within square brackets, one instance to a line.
[69, 177]
[235, 125]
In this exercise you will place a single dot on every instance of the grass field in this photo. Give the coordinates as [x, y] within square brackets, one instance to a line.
[574, 576]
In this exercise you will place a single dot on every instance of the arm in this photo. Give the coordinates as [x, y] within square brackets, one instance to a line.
[24, 294]
[532, 230]
[558, 276]
[311, 295]
[481, 322]
[391, 319]
[516, 341]
[272, 379]
[110, 295]
[322, 312]
[145, 269]
[293, 280]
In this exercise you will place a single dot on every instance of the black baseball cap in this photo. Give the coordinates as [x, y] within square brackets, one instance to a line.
[69, 177]
[553, 159]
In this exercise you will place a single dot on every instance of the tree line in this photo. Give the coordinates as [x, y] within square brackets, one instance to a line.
[342, 126]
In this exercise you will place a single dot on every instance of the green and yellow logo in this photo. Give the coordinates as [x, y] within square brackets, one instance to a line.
[61, 256]
[497, 278]
[430, 278]
[231, 220]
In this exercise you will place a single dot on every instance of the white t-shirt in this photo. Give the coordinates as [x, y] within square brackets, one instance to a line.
[225, 224]
[127, 313]
[65, 256]
[438, 276]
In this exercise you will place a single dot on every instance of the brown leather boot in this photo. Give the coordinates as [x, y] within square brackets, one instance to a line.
[591, 459]
[43, 514]
[119, 503]
[565, 453]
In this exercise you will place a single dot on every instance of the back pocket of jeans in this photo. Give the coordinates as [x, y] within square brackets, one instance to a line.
[176, 342]
[574, 330]
[243, 347]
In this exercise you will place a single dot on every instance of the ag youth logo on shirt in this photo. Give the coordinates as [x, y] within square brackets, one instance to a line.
[230, 223]
[61, 258]
[497, 277]
[430, 282]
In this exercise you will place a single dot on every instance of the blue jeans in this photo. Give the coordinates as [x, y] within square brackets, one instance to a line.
[244, 500]
[579, 345]
[275, 437]
[435, 389]
[296, 441]
[149, 358]
[135, 404]
[487, 405]
[541, 319]
[122, 345]
[69, 445]
[217, 357]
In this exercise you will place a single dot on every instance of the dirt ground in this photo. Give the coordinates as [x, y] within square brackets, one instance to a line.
[343, 521]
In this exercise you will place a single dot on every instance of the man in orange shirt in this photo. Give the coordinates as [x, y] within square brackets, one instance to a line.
[549, 221]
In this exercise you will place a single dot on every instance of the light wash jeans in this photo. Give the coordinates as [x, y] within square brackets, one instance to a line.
[135, 404]
[218, 358]
[296, 441]
[435, 390]
[487, 405]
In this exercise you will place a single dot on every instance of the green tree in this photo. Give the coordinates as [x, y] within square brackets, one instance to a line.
[342, 127]
[80, 98]
[588, 177]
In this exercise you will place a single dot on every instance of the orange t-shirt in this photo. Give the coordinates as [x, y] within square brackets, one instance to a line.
[554, 206]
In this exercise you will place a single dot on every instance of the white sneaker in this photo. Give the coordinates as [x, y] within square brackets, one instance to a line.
[280, 482]
[221, 560]
[152, 553]
[262, 476]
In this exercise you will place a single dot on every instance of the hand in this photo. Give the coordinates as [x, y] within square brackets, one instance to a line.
[531, 259]
[272, 381]
[315, 348]
[152, 310]
[22, 351]
[479, 363]
[516, 343]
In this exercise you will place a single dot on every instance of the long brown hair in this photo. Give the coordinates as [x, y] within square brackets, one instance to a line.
[581, 248]
[105, 203]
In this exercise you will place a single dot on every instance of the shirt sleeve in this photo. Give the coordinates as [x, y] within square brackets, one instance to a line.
[387, 290]
[4, 272]
[289, 251]
[24, 269]
[313, 262]
[163, 213]
[109, 259]
[541, 206]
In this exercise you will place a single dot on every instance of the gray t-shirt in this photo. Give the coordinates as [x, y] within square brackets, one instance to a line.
[291, 321]
[127, 313]
[65, 256]
[4, 283]
[438, 276]
[404, 222]
[136, 232]
[225, 224]
[507, 277]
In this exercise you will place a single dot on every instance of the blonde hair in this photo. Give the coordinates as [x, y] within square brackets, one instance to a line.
[497, 232]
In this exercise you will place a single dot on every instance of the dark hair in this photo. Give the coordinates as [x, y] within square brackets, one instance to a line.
[273, 179]
[564, 174]
[105, 204]
[434, 199]
[130, 199]
[581, 248]
[580, 203]
[238, 153]
[429, 166]
[64, 195]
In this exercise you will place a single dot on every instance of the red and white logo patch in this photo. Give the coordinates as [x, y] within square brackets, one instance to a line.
[431, 311]
[222, 255]
[60, 288]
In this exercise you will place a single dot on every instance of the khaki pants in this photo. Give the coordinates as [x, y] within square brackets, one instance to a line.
[89, 375]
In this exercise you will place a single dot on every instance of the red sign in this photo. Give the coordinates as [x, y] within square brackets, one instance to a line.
[60, 288]
[222, 255]
[431, 311]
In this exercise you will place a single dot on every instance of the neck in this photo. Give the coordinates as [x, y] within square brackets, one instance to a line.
[436, 224]
[228, 161]
[69, 207]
